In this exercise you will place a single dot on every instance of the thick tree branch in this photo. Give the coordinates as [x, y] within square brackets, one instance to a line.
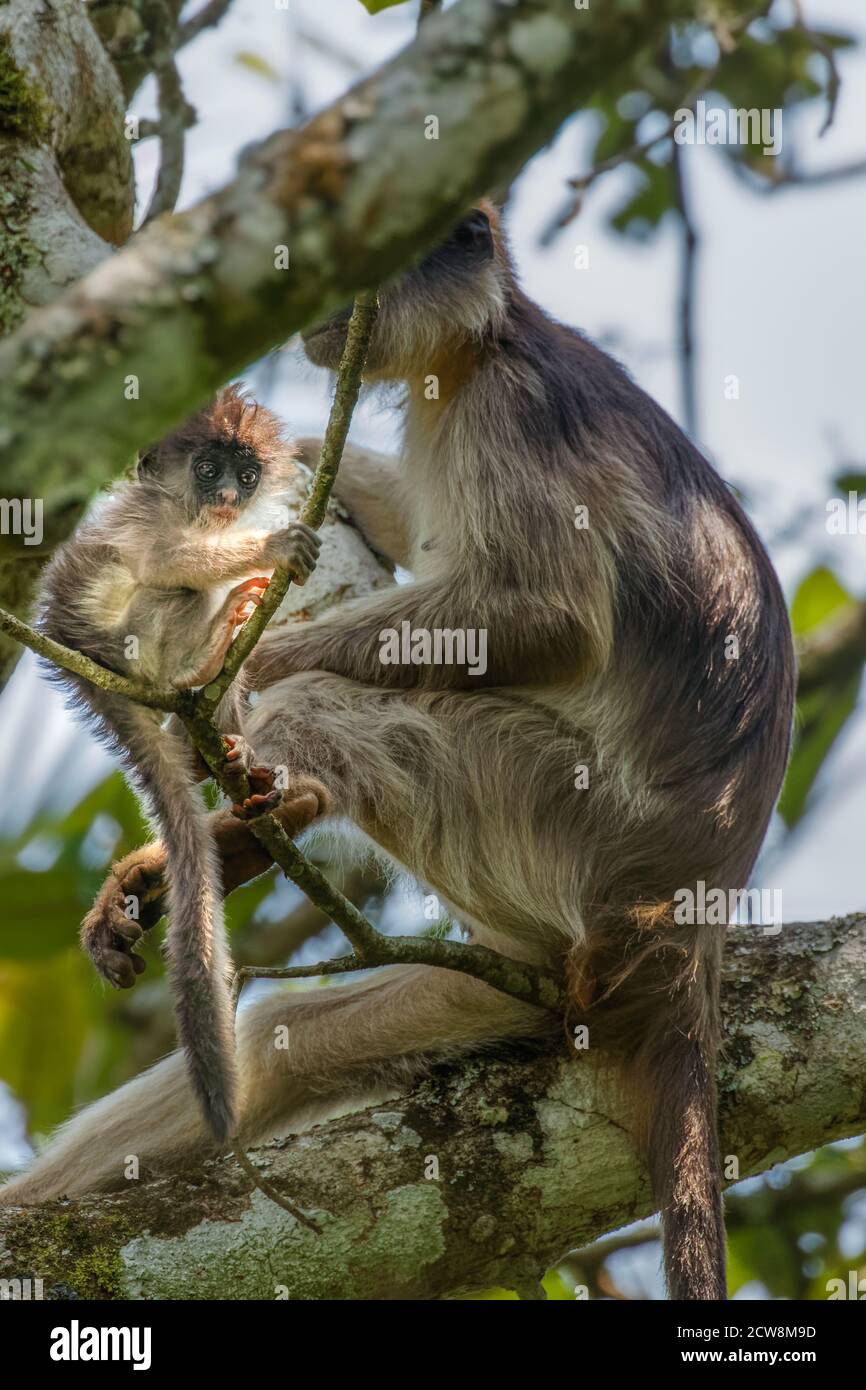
[66, 186]
[65, 166]
[534, 1158]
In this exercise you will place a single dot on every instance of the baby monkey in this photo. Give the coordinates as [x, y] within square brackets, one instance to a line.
[155, 584]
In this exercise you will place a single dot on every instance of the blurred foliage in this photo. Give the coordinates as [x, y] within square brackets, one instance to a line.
[823, 712]
[789, 1233]
[771, 67]
[65, 1037]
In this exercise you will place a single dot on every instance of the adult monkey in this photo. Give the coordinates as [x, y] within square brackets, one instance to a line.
[636, 632]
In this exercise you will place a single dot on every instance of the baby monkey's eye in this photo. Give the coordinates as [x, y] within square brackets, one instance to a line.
[249, 477]
[205, 470]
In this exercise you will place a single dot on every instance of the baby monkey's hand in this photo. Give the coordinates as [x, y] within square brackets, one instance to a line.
[296, 548]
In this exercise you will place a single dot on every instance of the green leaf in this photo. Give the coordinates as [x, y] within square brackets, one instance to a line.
[821, 715]
[255, 63]
[374, 6]
[615, 137]
[850, 482]
[644, 210]
[244, 902]
[819, 597]
[43, 908]
[822, 718]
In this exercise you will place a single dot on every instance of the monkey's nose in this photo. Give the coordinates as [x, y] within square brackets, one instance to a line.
[227, 496]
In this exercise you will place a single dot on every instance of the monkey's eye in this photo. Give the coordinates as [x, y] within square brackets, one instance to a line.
[205, 470]
[249, 477]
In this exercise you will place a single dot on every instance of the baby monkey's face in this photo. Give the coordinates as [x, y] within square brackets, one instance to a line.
[445, 297]
[222, 479]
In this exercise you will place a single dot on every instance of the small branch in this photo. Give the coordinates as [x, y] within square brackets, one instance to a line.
[175, 115]
[635, 152]
[80, 665]
[207, 18]
[530, 984]
[348, 386]
[688, 280]
[270, 1191]
[770, 182]
[148, 130]
[834, 82]
[173, 121]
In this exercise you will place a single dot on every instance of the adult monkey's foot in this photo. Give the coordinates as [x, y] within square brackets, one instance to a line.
[133, 897]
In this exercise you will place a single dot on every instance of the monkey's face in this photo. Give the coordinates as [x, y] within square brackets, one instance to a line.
[211, 480]
[222, 479]
[456, 292]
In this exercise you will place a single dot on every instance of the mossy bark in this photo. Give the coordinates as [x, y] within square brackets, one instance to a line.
[486, 1174]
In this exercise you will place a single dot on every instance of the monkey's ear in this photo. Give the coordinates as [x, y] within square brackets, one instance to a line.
[475, 236]
[146, 463]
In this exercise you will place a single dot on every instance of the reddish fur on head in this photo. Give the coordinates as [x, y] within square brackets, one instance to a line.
[233, 418]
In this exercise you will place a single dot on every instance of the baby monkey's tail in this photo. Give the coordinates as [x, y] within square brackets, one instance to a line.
[160, 763]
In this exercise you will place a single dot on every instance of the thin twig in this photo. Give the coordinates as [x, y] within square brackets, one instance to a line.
[348, 387]
[688, 280]
[270, 1191]
[528, 983]
[771, 181]
[635, 152]
[80, 665]
[208, 16]
[820, 45]
[174, 117]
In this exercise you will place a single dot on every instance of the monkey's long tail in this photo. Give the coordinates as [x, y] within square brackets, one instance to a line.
[659, 1010]
[683, 1152]
[160, 764]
